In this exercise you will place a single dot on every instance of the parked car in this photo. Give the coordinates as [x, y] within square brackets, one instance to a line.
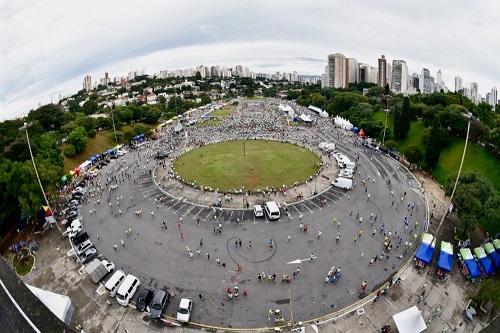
[184, 310]
[83, 246]
[345, 173]
[110, 267]
[258, 211]
[160, 300]
[143, 299]
[79, 237]
[88, 255]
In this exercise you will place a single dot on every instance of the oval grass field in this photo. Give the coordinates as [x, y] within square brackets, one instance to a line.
[255, 164]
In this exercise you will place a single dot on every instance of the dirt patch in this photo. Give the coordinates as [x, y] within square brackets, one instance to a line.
[252, 181]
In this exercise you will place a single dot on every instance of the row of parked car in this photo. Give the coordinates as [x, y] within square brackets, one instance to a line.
[120, 285]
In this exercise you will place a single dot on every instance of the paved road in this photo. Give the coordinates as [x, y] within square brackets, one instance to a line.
[159, 258]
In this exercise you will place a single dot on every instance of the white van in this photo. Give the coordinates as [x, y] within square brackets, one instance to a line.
[114, 282]
[343, 183]
[272, 210]
[127, 289]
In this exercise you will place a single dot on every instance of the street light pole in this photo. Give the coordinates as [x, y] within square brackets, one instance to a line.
[386, 113]
[25, 128]
[114, 129]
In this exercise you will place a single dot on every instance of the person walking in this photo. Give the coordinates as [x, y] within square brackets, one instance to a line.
[319, 233]
[115, 247]
[289, 238]
[123, 243]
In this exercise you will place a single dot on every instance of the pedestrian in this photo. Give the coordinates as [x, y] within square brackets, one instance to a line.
[208, 256]
[97, 236]
[115, 247]
[123, 243]
[198, 252]
[312, 257]
[249, 244]
[217, 260]
[201, 242]
[182, 236]
[289, 238]
[239, 241]
[200, 297]
[297, 271]
[319, 233]
[338, 236]
[364, 285]
[245, 293]
[152, 214]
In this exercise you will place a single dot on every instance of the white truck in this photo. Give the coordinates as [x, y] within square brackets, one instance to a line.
[343, 183]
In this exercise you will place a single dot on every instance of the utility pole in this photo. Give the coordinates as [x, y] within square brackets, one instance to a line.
[25, 128]
[114, 128]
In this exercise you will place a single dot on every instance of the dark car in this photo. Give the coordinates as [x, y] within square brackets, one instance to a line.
[80, 237]
[143, 299]
[158, 304]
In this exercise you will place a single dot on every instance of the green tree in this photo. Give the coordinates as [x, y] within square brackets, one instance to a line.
[414, 154]
[90, 107]
[402, 119]
[490, 291]
[78, 138]
[433, 141]
[197, 76]
[342, 102]
[475, 199]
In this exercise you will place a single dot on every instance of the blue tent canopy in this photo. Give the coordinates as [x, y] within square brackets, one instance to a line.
[445, 261]
[93, 158]
[426, 249]
[355, 129]
[484, 260]
[470, 263]
[495, 256]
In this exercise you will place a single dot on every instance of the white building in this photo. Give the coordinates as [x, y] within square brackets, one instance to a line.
[425, 81]
[493, 100]
[458, 84]
[399, 82]
[474, 87]
[336, 70]
[87, 83]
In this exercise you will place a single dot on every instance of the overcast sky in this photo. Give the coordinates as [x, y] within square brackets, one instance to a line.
[46, 47]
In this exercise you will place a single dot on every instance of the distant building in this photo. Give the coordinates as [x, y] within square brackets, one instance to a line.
[399, 76]
[474, 87]
[425, 81]
[351, 71]
[364, 73]
[336, 70]
[458, 84]
[382, 71]
[87, 83]
[415, 82]
[494, 97]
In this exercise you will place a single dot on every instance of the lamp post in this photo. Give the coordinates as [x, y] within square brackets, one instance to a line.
[386, 113]
[25, 128]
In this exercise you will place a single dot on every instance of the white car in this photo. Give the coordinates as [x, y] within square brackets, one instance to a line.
[345, 174]
[184, 310]
[108, 265]
[121, 152]
[258, 211]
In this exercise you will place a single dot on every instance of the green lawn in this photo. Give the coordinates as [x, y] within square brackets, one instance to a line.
[218, 115]
[100, 143]
[266, 163]
[415, 136]
[476, 159]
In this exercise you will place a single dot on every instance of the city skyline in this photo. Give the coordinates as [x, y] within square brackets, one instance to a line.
[40, 63]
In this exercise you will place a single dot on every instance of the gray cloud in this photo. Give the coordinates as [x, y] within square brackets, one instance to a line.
[47, 48]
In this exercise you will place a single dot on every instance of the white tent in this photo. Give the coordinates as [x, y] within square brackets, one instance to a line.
[305, 118]
[319, 111]
[409, 321]
[287, 109]
[58, 304]
[343, 123]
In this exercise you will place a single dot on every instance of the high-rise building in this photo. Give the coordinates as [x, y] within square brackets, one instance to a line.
[474, 87]
[336, 70]
[351, 71]
[399, 80]
[87, 83]
[415, 82]
[458, 83]
[364, 73]
[382, 71]
[439, 80]
[493, 97]
[425, 81]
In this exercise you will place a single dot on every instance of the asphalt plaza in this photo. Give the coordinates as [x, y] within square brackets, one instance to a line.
[160, 258]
